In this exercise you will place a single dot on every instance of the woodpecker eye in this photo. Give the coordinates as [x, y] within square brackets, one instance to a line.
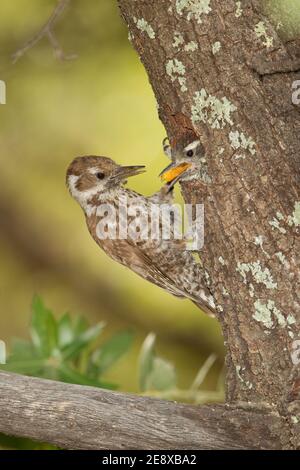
[189, 153]
[100, 176]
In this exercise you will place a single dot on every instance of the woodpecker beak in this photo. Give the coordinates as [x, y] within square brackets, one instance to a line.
[173, 172]
[124, 172]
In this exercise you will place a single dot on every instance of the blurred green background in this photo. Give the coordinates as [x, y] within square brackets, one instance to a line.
[102, 104]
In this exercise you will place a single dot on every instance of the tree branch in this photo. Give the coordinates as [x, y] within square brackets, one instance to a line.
[78, 417]
[47, 30]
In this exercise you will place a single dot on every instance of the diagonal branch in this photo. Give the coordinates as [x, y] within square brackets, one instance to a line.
[79, 417]
[47, 31]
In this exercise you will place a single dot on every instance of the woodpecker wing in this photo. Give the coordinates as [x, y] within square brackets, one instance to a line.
[136, 258]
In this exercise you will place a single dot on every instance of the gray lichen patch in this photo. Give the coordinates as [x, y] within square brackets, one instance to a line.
[225, 292]
[191, 46]
[145, 27]
[263, 313]
[178, 40]
[259, 242]
[275, 224]
[261, 32]
[268, 313]
[295, 419]
[238, 11]
[239, 370]
[179, 43]
[251, 290]
[212, 111]
[291, 320]
[238, 140]
[130, 36]
[279, 215]
[176, 70]
[207, 278]
[193, 9]
[294, 219]
[202, 174]
[260, 275]
[240, 156]
[281, 257]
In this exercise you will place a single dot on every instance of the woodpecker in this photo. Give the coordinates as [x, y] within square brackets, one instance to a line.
[95, 182]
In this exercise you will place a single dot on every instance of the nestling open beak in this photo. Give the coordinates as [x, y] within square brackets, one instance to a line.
[124, 172]
[173, 172]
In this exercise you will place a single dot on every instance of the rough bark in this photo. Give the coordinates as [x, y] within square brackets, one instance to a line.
[221, 72]
[77, 417]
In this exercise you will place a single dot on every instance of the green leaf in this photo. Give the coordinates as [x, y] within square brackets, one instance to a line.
[43, 328]
[112, 350]
[146, 360]
[162, 375]
[65, 331]
[155, 373]
[80, 325]
[21, 350]
[72, 350]
[30, 367]
[69, 330]
[68, 374]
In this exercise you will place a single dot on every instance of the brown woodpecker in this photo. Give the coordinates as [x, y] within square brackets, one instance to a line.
[97, 184]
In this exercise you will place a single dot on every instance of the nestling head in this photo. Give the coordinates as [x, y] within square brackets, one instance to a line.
[92, 175]
[186, 163]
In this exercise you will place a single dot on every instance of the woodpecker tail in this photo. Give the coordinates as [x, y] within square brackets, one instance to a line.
[206, 308]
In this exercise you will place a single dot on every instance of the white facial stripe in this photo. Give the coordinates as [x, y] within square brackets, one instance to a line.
[192, 146]
[72, 180]
[93, 171]
[81, 196]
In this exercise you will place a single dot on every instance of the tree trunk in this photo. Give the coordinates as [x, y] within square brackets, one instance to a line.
[221, 72]
[79, 417]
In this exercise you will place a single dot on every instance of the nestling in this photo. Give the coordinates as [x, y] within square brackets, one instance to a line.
[187, 163]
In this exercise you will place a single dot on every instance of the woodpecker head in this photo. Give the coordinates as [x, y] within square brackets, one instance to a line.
[186, 163]
[90, 176]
